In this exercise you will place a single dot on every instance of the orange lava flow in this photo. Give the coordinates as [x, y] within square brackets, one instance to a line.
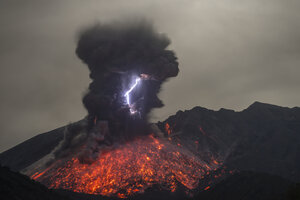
[207, 188]
[168, 129]
[127, 169]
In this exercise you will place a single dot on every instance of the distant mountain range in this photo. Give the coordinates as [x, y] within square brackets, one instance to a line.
[262, 142]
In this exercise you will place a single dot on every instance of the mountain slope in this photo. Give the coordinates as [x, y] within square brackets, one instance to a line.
[242, 185]
[28, 152]
[248, 186]
[15, 186]
[262, 138]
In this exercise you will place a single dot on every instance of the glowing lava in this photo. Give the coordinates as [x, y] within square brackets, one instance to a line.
[168, 129]
[127, 169]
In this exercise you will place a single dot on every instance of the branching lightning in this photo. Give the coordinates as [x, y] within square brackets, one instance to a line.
[127, 95]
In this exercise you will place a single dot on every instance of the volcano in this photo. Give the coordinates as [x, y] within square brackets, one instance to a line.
[130, 168]
[115, 152]
[263, 138]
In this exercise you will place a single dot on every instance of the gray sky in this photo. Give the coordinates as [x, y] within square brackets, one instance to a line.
[231, 53]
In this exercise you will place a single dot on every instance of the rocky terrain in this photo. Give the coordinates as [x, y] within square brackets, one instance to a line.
[261, 143]
[261, 138]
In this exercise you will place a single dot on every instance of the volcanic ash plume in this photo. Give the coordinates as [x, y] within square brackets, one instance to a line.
[127, 63]
[111, 152]
[123, 58]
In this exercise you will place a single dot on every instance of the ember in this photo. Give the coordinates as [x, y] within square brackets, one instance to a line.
[128, 169]
[168, 129]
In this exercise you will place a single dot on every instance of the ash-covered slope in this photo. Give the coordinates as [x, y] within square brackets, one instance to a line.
[30, 151]
[262, 138]
[248, 186]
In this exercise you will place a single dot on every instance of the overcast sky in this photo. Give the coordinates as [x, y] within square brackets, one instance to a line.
[231, 53]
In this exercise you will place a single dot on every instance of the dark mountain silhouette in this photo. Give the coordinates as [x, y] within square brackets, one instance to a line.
[248, 186]
[28, 152]
[15, 186]
[263, 139]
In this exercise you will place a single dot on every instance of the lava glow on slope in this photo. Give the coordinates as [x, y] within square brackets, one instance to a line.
[128, 169]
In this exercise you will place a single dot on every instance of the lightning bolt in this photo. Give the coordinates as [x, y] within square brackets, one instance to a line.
[127, 95]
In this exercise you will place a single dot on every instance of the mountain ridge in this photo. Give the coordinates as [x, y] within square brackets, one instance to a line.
[263, 137]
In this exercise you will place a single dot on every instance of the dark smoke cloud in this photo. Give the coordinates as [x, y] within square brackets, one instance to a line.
[82, 143]
[233, 52]
[127, 46]
[115, 54]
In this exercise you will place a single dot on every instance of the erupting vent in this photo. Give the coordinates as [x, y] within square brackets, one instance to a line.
[108, 153]
[129, 168]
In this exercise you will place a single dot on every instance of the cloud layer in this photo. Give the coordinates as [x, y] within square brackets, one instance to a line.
[231, 53]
